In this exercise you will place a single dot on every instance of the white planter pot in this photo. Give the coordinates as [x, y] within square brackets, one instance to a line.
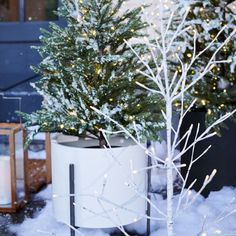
[103, 196]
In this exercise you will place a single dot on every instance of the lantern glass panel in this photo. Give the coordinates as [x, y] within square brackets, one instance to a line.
[5, 173]
[37, 147]
[20, 168]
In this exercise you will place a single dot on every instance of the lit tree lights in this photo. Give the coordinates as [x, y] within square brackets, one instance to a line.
[217, 91]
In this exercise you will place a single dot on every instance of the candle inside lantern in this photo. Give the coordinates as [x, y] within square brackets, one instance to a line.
[5, 180]
[20, 164]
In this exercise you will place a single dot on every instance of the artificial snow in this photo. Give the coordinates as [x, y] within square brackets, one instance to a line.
[45, 224]
[215, 215]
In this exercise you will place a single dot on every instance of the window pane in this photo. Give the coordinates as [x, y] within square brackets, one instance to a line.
[9, 10]
[40, 10]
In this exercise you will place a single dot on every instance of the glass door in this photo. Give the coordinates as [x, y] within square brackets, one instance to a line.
[9, 10]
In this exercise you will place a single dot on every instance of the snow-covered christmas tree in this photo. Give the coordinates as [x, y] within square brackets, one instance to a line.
[87, 63]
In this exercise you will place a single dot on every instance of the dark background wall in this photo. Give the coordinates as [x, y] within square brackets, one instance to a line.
[20, 23]
[221, 156]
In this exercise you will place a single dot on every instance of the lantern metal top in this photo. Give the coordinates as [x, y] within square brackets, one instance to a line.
[9, 128]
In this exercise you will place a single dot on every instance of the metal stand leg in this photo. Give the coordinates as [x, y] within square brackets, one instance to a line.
[148, 230]
[72, 198]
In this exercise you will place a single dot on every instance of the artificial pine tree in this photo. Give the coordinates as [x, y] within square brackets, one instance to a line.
[217, 91]
[87, 63]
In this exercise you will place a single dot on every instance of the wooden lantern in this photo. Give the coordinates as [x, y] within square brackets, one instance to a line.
[13, 166]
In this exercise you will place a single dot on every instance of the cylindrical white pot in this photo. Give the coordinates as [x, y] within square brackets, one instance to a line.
[108, 183]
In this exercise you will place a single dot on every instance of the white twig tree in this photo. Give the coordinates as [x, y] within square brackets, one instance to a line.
[173, 88]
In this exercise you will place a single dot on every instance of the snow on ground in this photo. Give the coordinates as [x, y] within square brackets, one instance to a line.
[45, 224]
[215, 215]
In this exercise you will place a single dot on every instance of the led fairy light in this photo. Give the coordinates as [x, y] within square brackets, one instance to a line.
[94, 33]
[209, 111]
[189, 55]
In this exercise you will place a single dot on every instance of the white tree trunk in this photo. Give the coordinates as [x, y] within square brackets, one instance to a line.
[170, 223]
